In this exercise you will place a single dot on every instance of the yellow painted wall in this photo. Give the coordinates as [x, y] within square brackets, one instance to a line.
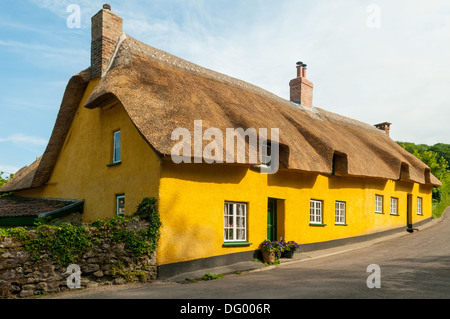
[81, 171]
[193, 195]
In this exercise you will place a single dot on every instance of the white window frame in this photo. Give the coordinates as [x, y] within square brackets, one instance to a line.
[379, 204]
[316, 212]
[235, 222]
[419, 206]
[340, 213]
[118, 198]
[117, 147]
[394, 206]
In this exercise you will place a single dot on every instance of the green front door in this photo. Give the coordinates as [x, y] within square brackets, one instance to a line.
[272, 219]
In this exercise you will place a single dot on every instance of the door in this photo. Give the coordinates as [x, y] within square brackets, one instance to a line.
[409, 222]
[272, 219]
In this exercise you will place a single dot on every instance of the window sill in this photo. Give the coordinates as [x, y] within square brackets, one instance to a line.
[381, 213]
[340, 225]
[395, 214]
[319, 225]
[235, 244]
[113, 164]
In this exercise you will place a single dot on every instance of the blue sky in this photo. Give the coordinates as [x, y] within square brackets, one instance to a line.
[395, 70]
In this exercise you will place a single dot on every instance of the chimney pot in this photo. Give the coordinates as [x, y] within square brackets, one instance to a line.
[107, 7]
[385, 126]
[301, 88]
[299, 69]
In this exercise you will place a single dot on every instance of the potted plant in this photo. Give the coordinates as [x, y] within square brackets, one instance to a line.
[271, 251]
[289, 249]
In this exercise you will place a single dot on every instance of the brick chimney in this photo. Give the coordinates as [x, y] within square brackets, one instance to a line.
[107, 28]
[385, 126]
[301, 88]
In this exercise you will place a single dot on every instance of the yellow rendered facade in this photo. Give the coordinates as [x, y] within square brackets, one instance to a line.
[83, 170]
[191, 197]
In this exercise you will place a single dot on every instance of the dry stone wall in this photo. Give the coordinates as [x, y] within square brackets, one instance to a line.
[105, 263]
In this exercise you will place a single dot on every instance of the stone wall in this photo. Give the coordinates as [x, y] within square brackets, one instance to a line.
[105, 263]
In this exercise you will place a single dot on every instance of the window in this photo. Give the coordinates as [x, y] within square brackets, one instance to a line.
[315, 212]
[116, 150]
[419, 206]
[120, 205]
[394, 206]
[235, 222]
[378, 204]
[340, 213]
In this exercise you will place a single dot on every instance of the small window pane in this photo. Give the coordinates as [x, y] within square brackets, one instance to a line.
[394, 206]
[315, 212]
[419, 206]
[241, 234]
[116, 156]
[120, 205]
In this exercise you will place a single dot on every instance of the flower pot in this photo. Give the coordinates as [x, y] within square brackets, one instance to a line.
[288, 254]
[268, 257]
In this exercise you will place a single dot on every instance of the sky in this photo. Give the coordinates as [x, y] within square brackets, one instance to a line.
[374, 61]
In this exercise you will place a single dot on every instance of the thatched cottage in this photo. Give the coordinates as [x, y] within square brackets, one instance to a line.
[112, 146]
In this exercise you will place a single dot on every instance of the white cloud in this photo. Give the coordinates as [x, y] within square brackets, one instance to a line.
[59, 8]
[26, 140]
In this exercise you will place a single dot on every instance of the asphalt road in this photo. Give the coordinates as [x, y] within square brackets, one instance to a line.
[413, 266]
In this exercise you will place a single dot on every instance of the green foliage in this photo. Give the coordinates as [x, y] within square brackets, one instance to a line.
[3, 181]
[443, 200]
[148, 211]
[438, 166]
[209, 276]
[63, 244]
[18, 232]
[442, 149]
[411, 147]
[437, 157]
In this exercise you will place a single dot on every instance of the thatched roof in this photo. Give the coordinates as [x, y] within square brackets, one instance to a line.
[161, 92]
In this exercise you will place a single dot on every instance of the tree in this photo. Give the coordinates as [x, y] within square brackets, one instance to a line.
[3, 180]
[442, 149]
[439, 167]
[411, 147]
